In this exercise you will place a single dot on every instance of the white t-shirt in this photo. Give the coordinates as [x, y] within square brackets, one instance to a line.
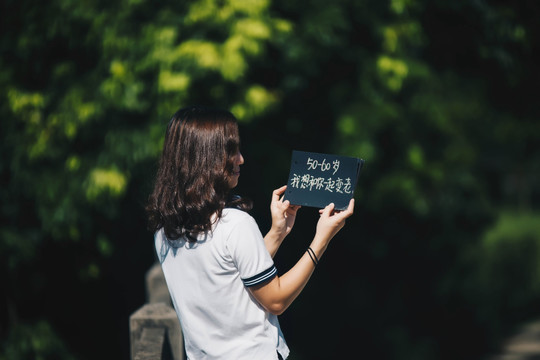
[208, 283]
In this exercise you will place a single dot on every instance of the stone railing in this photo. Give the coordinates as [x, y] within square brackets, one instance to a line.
[155, 332]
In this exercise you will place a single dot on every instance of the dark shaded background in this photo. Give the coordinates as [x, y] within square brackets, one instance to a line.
[440, 259]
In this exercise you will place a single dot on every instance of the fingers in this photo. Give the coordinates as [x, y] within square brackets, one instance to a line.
[342, 213]
[347, 212]
[327, 211]
[276, 194]
[295, 207]
[350, 209]
[280, 190]
[284, 207]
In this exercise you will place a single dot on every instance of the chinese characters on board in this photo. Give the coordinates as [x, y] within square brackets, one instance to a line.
[310, 182]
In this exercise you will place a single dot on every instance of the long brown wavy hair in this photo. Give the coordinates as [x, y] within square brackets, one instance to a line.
[193, 178]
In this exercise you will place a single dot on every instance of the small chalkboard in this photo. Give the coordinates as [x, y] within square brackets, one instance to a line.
[317, 180]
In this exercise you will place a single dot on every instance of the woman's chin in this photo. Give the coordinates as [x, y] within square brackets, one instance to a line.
[234, 181]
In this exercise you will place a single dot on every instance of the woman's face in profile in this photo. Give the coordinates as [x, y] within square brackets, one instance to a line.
[237, 160]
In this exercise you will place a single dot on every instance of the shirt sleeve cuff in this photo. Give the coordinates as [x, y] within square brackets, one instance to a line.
[261, 277]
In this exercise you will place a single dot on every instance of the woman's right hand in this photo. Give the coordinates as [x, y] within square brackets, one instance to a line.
[330, 222]
[277, 294]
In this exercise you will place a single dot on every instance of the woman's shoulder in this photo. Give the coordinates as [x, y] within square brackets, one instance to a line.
[238, 224]
[233, 214]
[232, 218]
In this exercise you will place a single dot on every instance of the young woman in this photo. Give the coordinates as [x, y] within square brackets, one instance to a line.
[218, 267]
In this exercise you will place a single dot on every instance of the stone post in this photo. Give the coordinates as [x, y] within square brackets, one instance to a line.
[157, 315]
[152, 345]
[156, 287]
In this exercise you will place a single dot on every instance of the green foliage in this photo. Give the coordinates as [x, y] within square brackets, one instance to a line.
[508, 270]
[435, 96]
[88, 89]
[36, 342]
[82, 131]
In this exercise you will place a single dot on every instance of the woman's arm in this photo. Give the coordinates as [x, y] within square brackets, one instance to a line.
[283, 217]
[278, 294]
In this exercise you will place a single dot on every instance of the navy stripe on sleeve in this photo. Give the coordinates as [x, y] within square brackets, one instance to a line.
[261, 277]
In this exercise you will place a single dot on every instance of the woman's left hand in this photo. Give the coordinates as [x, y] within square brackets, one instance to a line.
[283, 213]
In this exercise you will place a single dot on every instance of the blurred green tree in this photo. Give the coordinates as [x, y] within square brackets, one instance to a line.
[87, 89]
[435, 96]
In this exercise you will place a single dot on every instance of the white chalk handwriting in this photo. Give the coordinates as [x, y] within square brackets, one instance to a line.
[310, 182]
[323, 165]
